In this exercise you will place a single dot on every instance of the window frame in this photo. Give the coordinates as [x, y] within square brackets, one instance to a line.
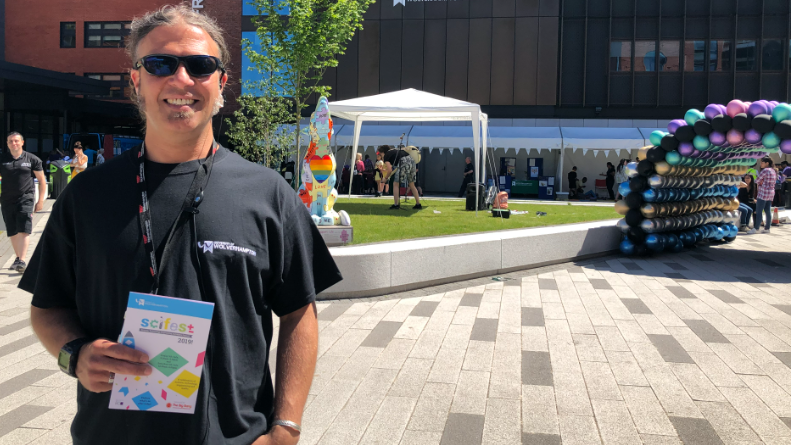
[630, 57]
[103, 33]
[121, 85]
[74, 37]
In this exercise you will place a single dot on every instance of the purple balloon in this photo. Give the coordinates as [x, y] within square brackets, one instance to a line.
[757, 108]
[752, 135]
[695, 153]
[717, 138]
[723, 109]
[686, 148]
[735, 137]
[706, 154]
[674, 124]
[711, 111]
[774, 102]
[785, 146]
[720, 156]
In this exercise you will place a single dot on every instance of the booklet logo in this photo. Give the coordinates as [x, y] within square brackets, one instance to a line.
[142, 302]
[211, 246]
[166, 325]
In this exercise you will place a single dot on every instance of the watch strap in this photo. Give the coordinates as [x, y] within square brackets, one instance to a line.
[73, 349]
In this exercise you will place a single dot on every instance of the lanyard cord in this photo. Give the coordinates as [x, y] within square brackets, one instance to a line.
[192, 200]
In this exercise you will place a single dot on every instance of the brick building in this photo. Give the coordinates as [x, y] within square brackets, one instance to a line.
[64, 69]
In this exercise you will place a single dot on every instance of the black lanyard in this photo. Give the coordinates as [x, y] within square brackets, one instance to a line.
[191, 202]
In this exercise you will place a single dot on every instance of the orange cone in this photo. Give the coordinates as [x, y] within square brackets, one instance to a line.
[775, 217]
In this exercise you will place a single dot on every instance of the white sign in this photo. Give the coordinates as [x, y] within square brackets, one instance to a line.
[403, 2]
[197, 5]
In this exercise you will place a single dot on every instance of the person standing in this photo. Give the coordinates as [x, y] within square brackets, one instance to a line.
[100, 157]
[109, 234]
[91, 154]
[620, 178]
[572, 176]
[399, 165]
[17, 196]
[610, 180]
[469, 176]
[766, 192]
[747, 194]
[80, 161]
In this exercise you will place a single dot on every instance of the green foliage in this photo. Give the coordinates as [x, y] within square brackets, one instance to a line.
[259, 130]
[297, 47]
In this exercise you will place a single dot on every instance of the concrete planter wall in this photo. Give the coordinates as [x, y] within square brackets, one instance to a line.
[378, 269]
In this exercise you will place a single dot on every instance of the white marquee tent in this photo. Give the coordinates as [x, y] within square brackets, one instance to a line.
[411, 105]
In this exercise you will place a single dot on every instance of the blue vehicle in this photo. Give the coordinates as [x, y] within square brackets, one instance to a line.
[113, 144]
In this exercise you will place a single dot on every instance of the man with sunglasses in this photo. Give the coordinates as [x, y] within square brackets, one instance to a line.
[181, 216]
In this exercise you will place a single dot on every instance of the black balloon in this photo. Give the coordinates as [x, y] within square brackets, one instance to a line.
[645, 167]
[703, 127]
[636, 235]
[638, 184]
[633, 217]
[742, 122]
[633, 200]
[763, 123]
[669, 142]
[685, 133]
[783, 129]
[640, 250]
[722, 123]
[655, 155]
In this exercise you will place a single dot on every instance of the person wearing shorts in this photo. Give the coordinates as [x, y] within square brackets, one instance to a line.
[400, 165]
[17, 196]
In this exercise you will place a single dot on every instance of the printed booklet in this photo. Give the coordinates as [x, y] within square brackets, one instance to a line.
[173, 332]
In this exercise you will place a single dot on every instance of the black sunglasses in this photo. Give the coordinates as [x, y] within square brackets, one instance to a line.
[164, 65]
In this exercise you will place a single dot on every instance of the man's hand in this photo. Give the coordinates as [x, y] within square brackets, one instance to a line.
[101, 358]
[39, 206]
[278, 435]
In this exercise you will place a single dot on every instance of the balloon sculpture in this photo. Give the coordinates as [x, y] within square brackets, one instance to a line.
[684, 188]
[318, 171]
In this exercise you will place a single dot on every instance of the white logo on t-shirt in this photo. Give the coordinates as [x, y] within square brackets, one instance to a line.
[211, 246]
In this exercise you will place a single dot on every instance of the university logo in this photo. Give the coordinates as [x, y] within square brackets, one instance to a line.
[211, 246]
[207, 246]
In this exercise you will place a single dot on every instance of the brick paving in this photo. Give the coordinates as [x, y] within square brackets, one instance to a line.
[690, 348]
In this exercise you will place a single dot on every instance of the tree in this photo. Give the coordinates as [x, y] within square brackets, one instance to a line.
[259, 129]
[299, 40]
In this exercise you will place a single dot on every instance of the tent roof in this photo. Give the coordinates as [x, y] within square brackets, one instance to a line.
[374, 134]
[598, 138]
[441, 137]
[404, 105]
[525, 137]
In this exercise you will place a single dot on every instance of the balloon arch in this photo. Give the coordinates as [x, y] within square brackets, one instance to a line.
[684, 188]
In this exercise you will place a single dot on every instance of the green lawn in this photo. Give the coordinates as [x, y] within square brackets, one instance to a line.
[374, 222]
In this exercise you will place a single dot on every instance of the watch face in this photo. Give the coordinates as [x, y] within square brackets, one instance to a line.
[63, 360]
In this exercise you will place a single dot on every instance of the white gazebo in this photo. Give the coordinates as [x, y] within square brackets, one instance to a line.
[414, 106]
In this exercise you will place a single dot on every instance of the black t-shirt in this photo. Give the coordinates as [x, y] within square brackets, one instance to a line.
[469, 168]
[18, 175]
[572, 179]
[91, 256]
[610, 174]
[393, 156]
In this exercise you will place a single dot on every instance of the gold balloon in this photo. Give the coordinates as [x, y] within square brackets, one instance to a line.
[621, 207]
[648, 210]
[661, 210]
[662, 168]
[643, 152]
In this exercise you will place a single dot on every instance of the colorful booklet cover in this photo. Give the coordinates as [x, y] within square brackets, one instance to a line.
[173, 332]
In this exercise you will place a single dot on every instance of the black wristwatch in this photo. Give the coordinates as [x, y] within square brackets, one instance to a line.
[69, 354]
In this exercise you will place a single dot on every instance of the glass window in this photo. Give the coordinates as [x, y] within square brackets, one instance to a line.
[645, 55]
[669, 59]
[119, 85]
[746, 55]
[68, 35]
[105, 34]
[720, 55]
[620, 56]
[695, 55]
[772, 55]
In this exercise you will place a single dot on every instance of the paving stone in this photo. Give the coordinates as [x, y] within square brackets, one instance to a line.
[16, 345]
[578, 430]
[770, 393]
[725, 296]
[735, 359]
[636, 306]
[333, 311]
[588, 348]
[433, 405]
[420, 438]
[698, 386]
[647, 413]
[23, 380]
[14, 311]
[701, 257]
[547, 284]
[600, 381]
[784, 307]
[675, 266]
[762, 420]
[540, 439]
[532, 316]
[13, 327]
[390, 421]
[695, 431]
[784, 357]
[424, 309]
[611, 339]
[670, 349]
[706, 331]
[484, 329]
[20, 416]
[536, 368]
[728, 424]
[632, 266]
[540, 410]
[675, 276]
[502, 424]
[463, 429]
[411, 378]
[479, 356]
[381, 335]
[473, 300]
[600, 284]
[680, 292]
[614, 421]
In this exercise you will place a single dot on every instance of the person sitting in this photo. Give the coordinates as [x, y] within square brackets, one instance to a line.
[583, 195]
[378, 172]
[747, 194]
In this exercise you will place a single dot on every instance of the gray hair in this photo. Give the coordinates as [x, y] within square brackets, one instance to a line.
[15, 133]
[170, 15]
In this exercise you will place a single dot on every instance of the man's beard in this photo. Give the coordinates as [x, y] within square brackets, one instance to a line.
[183, 115]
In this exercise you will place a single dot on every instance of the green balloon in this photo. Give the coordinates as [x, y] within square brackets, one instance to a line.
[673, 158]
[781, 112]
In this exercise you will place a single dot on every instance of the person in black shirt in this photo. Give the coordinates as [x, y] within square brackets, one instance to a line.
[469, 176]
[572, 175]
[251, 248]
[400, 165]
[17, 170]
[610, 179]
